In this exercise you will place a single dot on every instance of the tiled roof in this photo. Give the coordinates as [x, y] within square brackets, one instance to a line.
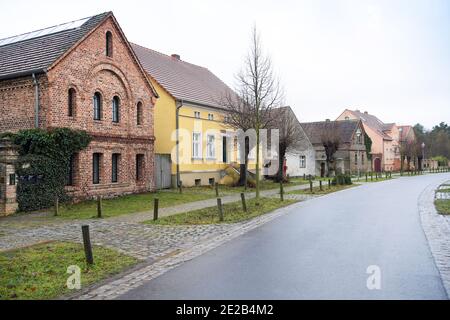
[39, 52]
[405, 131]
[344, 128]
[183, 80]
[373, 122]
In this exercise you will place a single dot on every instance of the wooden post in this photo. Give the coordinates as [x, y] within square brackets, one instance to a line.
[366, 177]
[56, 207]
[181, 186]
[244, 204]
[216, 186]
[329, 183]
[87, 245]
[281, 191]
[155, 209]
[99, 206]
[371, 175]
[219, 207]
[310, 186]
[320, 185]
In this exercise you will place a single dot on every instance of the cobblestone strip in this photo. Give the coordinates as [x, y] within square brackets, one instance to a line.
[437, 231]
[120, 286]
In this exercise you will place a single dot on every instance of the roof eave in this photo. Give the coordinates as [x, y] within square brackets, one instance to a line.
[22, 74]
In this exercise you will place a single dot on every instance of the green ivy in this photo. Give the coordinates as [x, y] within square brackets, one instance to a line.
[368, 143]
[43, 165]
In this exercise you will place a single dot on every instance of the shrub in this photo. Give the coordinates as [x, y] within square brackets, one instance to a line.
[43, 164]
[342, 179]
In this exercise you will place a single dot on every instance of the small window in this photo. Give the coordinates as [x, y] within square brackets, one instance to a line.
[197, 114]
[115, 167]
[356, 158]
[97, 106]
[12, 179]
[116, 109]
[109, 44]
[139, 113]
[196, 145]
[96, 168]
[198, 182]
[71, 102]
[362, 158]
[210, 116]
[139, 167]
[347, 118]
[302, 161]
[212, 181]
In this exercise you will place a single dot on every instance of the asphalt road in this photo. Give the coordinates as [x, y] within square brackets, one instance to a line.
[320, 249]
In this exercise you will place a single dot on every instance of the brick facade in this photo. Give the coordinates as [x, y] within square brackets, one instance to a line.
[87, 69]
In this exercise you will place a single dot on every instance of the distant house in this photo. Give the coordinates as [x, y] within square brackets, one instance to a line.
[385, 139]
[351, 155]
[408, 150]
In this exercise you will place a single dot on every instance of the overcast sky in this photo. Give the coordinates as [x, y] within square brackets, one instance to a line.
[388, 57]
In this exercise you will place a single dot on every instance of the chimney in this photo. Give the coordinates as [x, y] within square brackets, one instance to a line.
[357, 110]
[176, 56]
[365, 112]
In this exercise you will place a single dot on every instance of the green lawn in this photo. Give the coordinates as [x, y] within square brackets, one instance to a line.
[325, 190]
[442, 206]
[144, 202]
[443, 190]
[233, 212]
[40, 271]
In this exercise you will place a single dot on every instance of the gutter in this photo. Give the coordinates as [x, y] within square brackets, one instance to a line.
[36, 101]
[21, 74]
[179, 105]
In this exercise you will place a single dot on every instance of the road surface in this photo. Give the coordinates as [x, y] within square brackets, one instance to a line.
[320, 249]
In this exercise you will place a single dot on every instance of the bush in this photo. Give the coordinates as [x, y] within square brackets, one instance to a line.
[43, 164]
[341, 179]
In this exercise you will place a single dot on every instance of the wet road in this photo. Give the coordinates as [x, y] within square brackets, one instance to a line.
[320, 249]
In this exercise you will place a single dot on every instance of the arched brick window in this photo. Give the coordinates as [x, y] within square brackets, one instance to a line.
[71, 102]
[139, 113]
[109, 44]
[116, 109]
[97, 106]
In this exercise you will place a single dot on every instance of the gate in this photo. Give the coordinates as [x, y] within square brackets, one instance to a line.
[163, 170]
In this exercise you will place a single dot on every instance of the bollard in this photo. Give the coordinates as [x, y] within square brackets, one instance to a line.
[219, 207]
[310, 186]
[155, 209]
[181, 186]
[87, 245]
[244, 204]
[320, 185]
[99, 206]
[56, 207]
[329, 183]
[216, 185]
[371, 176]
[366, 177]
[281, 191]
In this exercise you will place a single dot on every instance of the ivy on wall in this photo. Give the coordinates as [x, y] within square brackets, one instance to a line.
[43, 165]
[368, 143]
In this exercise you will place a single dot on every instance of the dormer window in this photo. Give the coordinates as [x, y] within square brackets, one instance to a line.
[109, 44]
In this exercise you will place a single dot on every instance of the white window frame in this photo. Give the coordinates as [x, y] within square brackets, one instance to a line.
[197, 114]
[199, 142]
[210, 147]
[302, 161]
[210, 116]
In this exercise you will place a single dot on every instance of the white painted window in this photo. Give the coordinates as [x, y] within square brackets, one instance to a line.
[197, 145]
[197, 114]
[302, 161]
[210, 116]
[210, 146]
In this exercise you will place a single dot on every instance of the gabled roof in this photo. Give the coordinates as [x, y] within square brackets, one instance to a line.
[344, 129]
[35, 51]
[373, 122]
[405, 131]
[182, 80]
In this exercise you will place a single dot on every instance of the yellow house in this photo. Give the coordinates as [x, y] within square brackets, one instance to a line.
[189, 99]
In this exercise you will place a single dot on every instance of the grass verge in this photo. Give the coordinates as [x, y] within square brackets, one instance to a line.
[445, 190]
[442, 206]
[325, 190]
[40, 271]
[232, 212]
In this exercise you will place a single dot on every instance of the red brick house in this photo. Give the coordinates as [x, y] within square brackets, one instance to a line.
[84, 75]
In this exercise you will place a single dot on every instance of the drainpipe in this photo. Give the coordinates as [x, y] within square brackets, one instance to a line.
[177, 127]
[36, 101]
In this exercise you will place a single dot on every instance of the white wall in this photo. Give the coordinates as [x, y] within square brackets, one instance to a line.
[293, 163]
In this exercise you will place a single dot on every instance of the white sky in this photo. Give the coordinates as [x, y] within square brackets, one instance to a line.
[389, 57]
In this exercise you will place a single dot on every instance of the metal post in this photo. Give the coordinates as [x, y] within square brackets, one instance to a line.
[155, 209]
[219, 206]
[87, 245]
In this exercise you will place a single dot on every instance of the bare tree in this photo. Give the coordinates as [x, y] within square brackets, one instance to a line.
[331, 140]
[258, 92]
[291, 135]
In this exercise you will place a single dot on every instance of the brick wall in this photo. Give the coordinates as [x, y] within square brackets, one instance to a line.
[87, 70]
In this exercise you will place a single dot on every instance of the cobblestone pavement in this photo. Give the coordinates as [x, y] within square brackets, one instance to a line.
[437, 231]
